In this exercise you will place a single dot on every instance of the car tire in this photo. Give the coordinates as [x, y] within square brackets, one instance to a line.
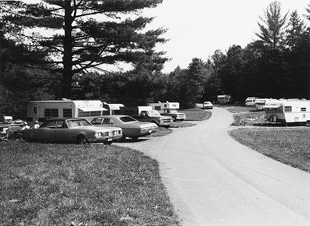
[82, 140]
[107, 142]
[134, 138]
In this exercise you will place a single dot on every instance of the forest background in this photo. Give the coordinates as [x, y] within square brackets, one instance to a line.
[88, 36]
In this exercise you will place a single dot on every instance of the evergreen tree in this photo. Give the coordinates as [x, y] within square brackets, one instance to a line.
[193, 82]
[84, 34]
[273, 28]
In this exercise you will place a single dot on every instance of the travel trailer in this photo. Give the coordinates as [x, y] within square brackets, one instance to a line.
[223, 99]
[287, 111]
[250, 101]
[112, 109]
[168, 109]
[49, 109]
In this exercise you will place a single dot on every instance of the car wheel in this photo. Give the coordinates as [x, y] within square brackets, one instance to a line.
[135, 138]
[82, 140]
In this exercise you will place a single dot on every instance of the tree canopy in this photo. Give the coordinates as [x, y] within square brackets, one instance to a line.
[78, 35]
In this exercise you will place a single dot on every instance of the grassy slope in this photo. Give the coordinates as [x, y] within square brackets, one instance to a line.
[287, 145]
[54, 184]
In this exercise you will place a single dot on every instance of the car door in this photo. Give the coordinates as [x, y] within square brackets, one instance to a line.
[62, 132]
[47, 131]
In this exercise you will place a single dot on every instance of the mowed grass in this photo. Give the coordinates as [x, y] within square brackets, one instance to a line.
[289, 145]
[60, 184]
[197, 114]
[63, 184]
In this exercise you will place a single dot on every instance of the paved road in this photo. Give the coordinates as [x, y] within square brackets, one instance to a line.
[213, 180]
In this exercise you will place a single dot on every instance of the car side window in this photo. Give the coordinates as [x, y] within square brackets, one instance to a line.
[51, 124]
[96, 121]
[107, 121]
[60, 124]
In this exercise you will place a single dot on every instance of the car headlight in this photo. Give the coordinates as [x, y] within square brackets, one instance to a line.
[102, 134]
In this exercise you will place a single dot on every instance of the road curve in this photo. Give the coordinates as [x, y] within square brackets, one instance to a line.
[213, 180]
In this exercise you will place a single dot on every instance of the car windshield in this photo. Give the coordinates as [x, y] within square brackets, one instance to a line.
[78, 122]
[127, 119]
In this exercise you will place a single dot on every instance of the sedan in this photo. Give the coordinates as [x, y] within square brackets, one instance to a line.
[131, 127]
[207, 105]
[74, 130]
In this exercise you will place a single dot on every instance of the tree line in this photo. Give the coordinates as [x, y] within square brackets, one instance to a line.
[70, 61]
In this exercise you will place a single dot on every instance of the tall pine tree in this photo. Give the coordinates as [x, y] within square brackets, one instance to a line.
[79, 35]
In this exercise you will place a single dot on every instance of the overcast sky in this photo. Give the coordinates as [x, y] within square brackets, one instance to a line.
[196, 28]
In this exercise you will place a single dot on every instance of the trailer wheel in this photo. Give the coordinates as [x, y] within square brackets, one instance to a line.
[81, 139]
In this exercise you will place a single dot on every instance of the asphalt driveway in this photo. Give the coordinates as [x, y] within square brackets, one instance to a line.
[213, 180]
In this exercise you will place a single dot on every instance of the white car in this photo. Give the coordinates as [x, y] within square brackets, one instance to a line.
[207, 105]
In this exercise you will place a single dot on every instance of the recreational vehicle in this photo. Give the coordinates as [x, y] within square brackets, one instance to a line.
[65, 108]
[287, 111]
[250, 101]
[223, 99]
[112, 109]
[168, 109]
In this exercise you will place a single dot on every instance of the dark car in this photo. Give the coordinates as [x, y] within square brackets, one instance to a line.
[74, 130]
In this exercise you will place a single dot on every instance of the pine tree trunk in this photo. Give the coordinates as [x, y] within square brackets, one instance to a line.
[67, 58]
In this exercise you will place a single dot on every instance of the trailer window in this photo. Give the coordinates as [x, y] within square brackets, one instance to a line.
[67, 113]
[303, 109]
[95, 113]
[89, 113]
[288, 108]
[53, 112]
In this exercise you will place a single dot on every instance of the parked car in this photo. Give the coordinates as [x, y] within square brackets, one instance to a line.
[207, 105]
[77, 130]
[131, 127]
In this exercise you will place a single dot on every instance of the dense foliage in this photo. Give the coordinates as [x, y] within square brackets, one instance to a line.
[275, 65]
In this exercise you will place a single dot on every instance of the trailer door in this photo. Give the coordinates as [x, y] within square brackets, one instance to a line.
[33, 112]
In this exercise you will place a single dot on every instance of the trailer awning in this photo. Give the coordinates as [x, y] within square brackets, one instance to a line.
[272, 106]
[93, 109]
[115, 106]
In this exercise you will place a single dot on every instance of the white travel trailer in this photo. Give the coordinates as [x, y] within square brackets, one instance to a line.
[259, 103]
[287, 111]
[169, 109]
[112, 109]
[250, 101]
[223, 99]
[65, 108]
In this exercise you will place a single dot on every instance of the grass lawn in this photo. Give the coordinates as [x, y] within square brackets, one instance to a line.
[196, 114]
[289, 145]
[56, 184]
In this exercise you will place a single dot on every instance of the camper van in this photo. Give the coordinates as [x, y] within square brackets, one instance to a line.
[49, 109]
[287, 111]
[168, 109]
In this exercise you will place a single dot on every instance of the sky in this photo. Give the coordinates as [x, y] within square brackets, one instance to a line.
[197, 28]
